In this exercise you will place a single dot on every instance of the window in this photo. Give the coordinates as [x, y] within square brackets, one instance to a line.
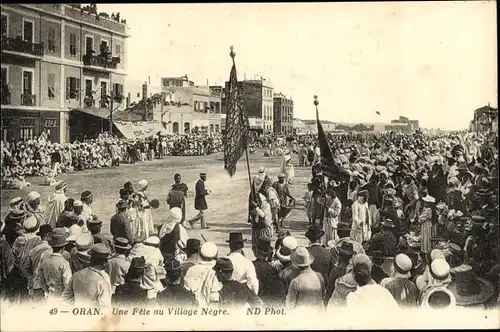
[88, 87]
[28, 30]
[89, 44]
[27, 128]
[72, 88]
[104, 47]
[51, 83]
[118, 49]
[117, 89]
[5, 76]
[175, 127]
[27, 82]
[51, 45]
[5, 25]
[211, 127]
[72, 44]
[104, 94]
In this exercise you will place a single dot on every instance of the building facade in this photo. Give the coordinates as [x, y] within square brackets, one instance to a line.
[283, 114]
[257, 97]
[57, 58]
[404, 123]
[485, 119]
[188, 108]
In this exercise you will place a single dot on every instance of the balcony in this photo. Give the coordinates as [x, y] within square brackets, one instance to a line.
[5, 98]
[101, 61]
[28, 100]
[17, 45]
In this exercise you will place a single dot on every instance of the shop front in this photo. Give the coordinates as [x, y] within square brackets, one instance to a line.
[26, 125]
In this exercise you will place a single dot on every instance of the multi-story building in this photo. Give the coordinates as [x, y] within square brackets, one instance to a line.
[413, 124]
[257, 96]
[283, 114]
[57, 58]
[176, 82]
[186, 107]
[485, 119]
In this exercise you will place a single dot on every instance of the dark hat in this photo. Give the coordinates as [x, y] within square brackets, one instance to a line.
[343, 226]
[470, 289]
[44, 230]
[122, 243]
[203, 174]
[314, 232]
[363, 193]
[85, 194]
[100, 249]
[264, 246]
[121, 204]
[138, 263]
[388, 223]
[58, 240]
[193, 245]
[223, 265]
[173, 266]
[346, 249]
[124, 192]
[154, 203]
[95, 222]
[128, 185]
[236, 237]
[17, 214]
[377, 254]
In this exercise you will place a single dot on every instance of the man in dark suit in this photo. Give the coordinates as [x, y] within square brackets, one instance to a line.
[321, 263]
[200, 203]
[120, 225]
[177, 196]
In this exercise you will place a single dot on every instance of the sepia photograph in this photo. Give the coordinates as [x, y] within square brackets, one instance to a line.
[249, 166]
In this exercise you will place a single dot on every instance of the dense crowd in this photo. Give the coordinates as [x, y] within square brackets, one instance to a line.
[394, 221]
[40, 157]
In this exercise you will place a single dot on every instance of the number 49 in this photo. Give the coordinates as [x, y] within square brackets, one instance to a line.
[53, 311]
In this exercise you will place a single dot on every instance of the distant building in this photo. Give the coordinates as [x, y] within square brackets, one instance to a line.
[404, 120]
[485, 119]
[176, 82]
[283, 114]
[299, 127]
[312, 127]
[257, 96]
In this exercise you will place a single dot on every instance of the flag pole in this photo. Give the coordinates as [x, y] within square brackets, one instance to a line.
[233, 54]
[316, 103]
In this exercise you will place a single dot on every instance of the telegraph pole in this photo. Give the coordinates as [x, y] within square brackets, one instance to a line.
[161, 106]
[111, 113]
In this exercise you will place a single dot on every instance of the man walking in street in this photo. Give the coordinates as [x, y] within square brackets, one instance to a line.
[200, 203]
[177, 196]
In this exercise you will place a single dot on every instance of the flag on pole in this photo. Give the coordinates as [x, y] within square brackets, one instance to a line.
[324, 146]
[235, 137]
[329, 167]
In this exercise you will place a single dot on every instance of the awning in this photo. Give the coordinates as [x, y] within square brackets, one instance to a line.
[140, 129]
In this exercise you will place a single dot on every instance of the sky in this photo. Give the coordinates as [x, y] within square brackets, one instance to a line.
[430, 61]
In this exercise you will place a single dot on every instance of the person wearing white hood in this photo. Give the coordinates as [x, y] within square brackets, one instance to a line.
[287, 167]
[56, 204]
[173, 236]
[142, 226]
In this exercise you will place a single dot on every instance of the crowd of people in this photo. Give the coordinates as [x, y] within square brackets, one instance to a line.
[395, 221]
[40, 157]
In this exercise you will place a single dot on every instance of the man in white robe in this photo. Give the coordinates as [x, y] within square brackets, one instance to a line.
[56, 203]
[361, 222]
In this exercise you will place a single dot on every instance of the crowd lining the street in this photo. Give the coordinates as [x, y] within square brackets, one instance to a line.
[398, 221]
[40, 157]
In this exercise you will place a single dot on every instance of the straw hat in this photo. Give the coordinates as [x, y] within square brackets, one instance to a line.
[301, 257]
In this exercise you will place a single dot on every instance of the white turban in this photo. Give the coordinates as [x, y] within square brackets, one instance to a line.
[173, 218]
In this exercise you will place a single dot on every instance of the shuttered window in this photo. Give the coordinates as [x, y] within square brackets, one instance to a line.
[72, 88]
[51, 83]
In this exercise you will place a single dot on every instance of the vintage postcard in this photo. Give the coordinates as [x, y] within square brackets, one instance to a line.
[249, 166]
